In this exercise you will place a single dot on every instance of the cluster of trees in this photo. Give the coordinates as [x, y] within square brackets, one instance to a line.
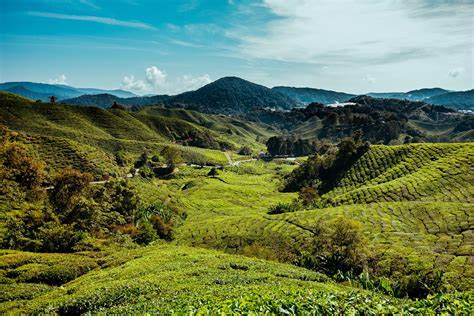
[322, 170]
[380, 120]
[162, 164]
[71, 212]
[290, 146]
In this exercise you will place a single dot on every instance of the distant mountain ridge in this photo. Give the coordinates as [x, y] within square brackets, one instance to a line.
[309, 95]
[413, 95]
[230, 95]
[462, 100]
[105, 100]
[42, 91]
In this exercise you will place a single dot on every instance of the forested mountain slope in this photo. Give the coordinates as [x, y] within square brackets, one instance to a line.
[89, 137]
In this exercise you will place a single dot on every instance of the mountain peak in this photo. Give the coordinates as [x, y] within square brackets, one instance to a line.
[233, 95]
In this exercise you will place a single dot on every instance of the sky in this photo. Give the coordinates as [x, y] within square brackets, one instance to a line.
[171, 46]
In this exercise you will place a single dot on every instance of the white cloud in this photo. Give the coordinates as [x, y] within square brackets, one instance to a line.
[59, 80]
[157, 81]
[456, 72]
[370, 32]
[155, 77]
[129, 83]
[188, 82]
[90, 18]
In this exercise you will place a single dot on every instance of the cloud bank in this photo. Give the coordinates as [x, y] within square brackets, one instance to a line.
[157, 81]
[61, 79]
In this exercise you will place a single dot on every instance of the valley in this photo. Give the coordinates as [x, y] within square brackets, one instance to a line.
[167, 209]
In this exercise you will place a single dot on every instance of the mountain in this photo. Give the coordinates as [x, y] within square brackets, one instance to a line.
[105, 100]
[422, 94]
[462, 100]
[232, 95]
[42, 91]
[20, 90]
[413, 95]
[116, 92]
[309, 95]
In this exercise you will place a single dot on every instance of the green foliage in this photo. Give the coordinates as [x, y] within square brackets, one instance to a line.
[284, 146]
[146, 233]
[281, 208]
[163, 279]
[245, 151]
[322, 171]
[338, 246]
[121, 158]
[74, 210]
[68, 189]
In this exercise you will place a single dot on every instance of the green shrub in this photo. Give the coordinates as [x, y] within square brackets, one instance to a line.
[146, 172]
[121, 158]
[337, 246]
[146, 233]
[59, 238]
[68, 188]
[162, 228]
[281, 207]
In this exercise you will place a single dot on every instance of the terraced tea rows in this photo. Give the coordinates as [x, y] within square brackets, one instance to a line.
[167, 279]
[426, 172]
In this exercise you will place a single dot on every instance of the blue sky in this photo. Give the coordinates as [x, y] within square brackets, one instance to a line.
[171, 46]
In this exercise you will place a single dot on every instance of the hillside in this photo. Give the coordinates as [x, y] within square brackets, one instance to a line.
[416, 198]
[88, 137]
[387, 121]
[42, 91]
[422, 94]
[462, 100]
[162, 278]
[232, 95]
[407, 211]
[310, 95]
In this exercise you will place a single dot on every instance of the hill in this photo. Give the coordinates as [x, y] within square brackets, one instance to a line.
[310, 95]
[413, 95]
[415, 198]
[89, 138]
[232, 95]
[388, 121]
[105, 100]
[462, 100]
[42, 91]
[422, 94]
[406, 209]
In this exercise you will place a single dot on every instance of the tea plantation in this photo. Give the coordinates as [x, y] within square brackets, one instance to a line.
[206, 239]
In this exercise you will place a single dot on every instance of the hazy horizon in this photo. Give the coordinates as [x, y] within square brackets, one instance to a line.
[167, 48]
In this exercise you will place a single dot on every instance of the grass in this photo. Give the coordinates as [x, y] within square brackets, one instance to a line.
[414, 203]
[431, 231]
[176, 279]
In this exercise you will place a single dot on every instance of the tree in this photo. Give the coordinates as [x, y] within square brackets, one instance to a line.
[245, 151]
[171, 155]
[68, 188]
[338, 245]
[307, 195]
